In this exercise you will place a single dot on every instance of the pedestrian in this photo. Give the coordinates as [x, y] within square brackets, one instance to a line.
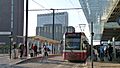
[21, 49]
[110, 51]
[31, 52]
[39, 50]
[44, 53]
[35, 50]
[96, 58]
[15, 50]
[101, 49]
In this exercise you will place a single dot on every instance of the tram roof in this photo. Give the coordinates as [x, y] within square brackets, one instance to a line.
[44, 39]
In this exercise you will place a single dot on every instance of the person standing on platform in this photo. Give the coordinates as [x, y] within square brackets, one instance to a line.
[101, 49]
[44, 53]
[35, 50]
[21, 49]
[110, 52]
[15, 50]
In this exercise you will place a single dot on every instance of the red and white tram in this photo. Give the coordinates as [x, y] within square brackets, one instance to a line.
[75, 46]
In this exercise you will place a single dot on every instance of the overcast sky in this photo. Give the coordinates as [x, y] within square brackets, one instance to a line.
[75, 18]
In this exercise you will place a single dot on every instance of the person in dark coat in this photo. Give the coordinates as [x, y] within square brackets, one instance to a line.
[110, 51]
[21, 49]
[35, 50]
[101, 49]
[15, 50]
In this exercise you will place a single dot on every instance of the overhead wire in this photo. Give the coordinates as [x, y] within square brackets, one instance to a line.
[71, 2]
[54, 9]
[42, 9]
[38, 4]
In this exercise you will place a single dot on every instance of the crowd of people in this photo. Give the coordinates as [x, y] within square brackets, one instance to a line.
[102, 53]
[34, 51]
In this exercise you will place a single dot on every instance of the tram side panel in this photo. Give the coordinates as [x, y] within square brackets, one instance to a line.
[76, 55]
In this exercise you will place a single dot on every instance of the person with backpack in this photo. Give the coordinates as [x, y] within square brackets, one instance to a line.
[21, 49]
[44, 53]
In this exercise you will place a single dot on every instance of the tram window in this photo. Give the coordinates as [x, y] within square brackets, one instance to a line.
[72, 44]
[75, 45]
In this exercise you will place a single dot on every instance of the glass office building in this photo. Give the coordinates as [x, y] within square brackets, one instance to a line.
[59, 18]
[45, 25]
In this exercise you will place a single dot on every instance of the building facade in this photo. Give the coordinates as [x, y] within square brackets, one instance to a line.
[47, 31]
[45, 25]
[60, 18]
[5, 20]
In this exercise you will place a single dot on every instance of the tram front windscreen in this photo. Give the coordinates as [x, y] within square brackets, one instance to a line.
[72, 42]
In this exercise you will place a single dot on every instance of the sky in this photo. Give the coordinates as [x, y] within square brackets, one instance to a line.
[75, 17]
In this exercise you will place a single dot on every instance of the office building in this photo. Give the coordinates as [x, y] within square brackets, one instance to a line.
[45, 25]
[60, 18]
[47, 31]
[5, 20]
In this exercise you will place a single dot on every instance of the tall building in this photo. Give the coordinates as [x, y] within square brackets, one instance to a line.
[60, 18]
[47, 31]
[5, 19]
[45, 25]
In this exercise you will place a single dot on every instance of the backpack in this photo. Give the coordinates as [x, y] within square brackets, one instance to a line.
[48, 49]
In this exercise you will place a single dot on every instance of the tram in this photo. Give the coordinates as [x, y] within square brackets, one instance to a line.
[75, 46]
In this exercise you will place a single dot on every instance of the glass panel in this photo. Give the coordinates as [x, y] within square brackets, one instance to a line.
[72, 43]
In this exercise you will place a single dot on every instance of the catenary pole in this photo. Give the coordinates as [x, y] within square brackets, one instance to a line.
[26, 33]
[92, 34]
[53, 27]
[53, 23]
[11, 37]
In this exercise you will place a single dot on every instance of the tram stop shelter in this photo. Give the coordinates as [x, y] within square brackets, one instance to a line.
[54, 45]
